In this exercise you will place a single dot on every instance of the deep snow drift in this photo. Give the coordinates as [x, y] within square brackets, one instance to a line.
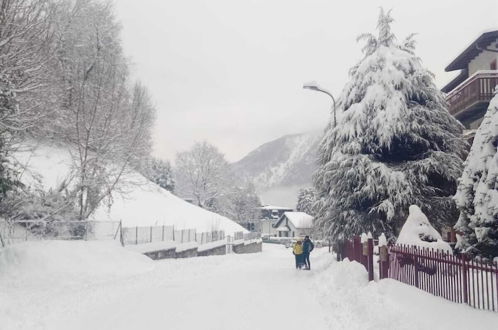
[144, 203]
[255, 291]
[45, 263]
[418, 231]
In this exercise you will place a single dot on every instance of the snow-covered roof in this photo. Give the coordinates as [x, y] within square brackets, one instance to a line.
[273, 207]
[299, 219]
[476, 47]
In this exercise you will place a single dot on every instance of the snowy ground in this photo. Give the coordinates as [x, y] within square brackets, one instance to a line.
[255, 291]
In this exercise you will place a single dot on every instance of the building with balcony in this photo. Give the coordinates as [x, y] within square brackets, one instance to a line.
[469, 93]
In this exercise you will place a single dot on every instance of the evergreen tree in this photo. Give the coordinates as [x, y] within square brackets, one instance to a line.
[477, 195]
[305, 200]
[160, 172]
[395, 145]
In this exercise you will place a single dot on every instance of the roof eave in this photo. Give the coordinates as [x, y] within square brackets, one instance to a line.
[474, 49]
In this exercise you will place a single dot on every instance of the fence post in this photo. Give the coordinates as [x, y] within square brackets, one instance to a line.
[1, 239]
[150, 236]
[370, 247]
[163, 235]
[384, 261]
[86, 231]
[173, 233]
[121, 238]
[415, 264]
[136, 235]
[464, 273]
[357, 249]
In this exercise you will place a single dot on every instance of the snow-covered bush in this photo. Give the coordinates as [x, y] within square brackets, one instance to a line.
[477, 195]
[395, 144]
[159, 172]
[418, 231]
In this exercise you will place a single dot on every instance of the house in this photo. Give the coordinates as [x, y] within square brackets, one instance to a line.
[294, 224]
[469, 93]
[273, 212]
[270, 214]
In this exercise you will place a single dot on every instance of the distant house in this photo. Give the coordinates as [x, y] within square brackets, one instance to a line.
[293, 224]
[273, 212]
[270, 214]
[469, 93]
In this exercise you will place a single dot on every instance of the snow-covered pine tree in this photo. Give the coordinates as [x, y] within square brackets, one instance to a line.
[395, 145]
[305, 200]
[477, 195]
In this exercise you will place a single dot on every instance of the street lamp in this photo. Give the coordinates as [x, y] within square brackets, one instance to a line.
[315, 87]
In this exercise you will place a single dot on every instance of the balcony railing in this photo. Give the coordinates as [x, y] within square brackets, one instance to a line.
[476, 89]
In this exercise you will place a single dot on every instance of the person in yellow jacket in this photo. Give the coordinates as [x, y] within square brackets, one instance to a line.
[297, 250]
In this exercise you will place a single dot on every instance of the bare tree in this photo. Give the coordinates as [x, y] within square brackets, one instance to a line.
[108, 123]
[25, 51]
[201, 173]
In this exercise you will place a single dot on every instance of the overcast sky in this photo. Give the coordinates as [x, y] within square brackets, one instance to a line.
[231, 71]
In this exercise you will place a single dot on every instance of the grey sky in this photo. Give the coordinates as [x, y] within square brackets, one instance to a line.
[231, 71]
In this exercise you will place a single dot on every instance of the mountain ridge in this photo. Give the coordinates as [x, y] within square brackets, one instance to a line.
[288, 161]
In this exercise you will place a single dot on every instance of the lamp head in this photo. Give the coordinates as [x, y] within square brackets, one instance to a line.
[311, 85]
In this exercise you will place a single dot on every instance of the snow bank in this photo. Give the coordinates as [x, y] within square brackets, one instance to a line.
[418, 231]
[354, 303]
[143, 204]
[43, 262]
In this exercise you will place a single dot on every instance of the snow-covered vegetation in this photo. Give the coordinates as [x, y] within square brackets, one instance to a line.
[203, 175]
[305, 200]
[66, 79]
[139, 202]
[395, 145]
[477, 195]
[418, 231]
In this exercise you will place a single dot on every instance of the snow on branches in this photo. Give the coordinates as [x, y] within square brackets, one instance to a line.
[477, 195]
[395, 145]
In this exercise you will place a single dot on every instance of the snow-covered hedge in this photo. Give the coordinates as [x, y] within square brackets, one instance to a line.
[418, 231]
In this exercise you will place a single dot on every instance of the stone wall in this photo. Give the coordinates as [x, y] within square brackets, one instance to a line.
[217, 251]
[248, 248]
[162, 254]
[187, 253]
[220, 250]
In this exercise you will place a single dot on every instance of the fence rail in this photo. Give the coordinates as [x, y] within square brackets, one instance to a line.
[29, 230]
[454, 278]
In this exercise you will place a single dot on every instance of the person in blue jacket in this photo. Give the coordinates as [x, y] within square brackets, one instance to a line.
[308, 246]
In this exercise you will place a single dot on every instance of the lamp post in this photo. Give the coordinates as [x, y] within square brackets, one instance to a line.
[315, 87]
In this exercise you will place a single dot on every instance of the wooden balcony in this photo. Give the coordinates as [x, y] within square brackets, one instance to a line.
[474, 92]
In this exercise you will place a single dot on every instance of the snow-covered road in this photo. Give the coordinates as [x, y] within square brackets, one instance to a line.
[49, 286]
[256, 291]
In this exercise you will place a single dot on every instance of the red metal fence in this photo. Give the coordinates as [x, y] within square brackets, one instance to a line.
[362, 252]
[454, 278]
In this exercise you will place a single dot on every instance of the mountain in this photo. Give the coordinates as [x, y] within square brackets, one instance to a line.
[281, 167]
